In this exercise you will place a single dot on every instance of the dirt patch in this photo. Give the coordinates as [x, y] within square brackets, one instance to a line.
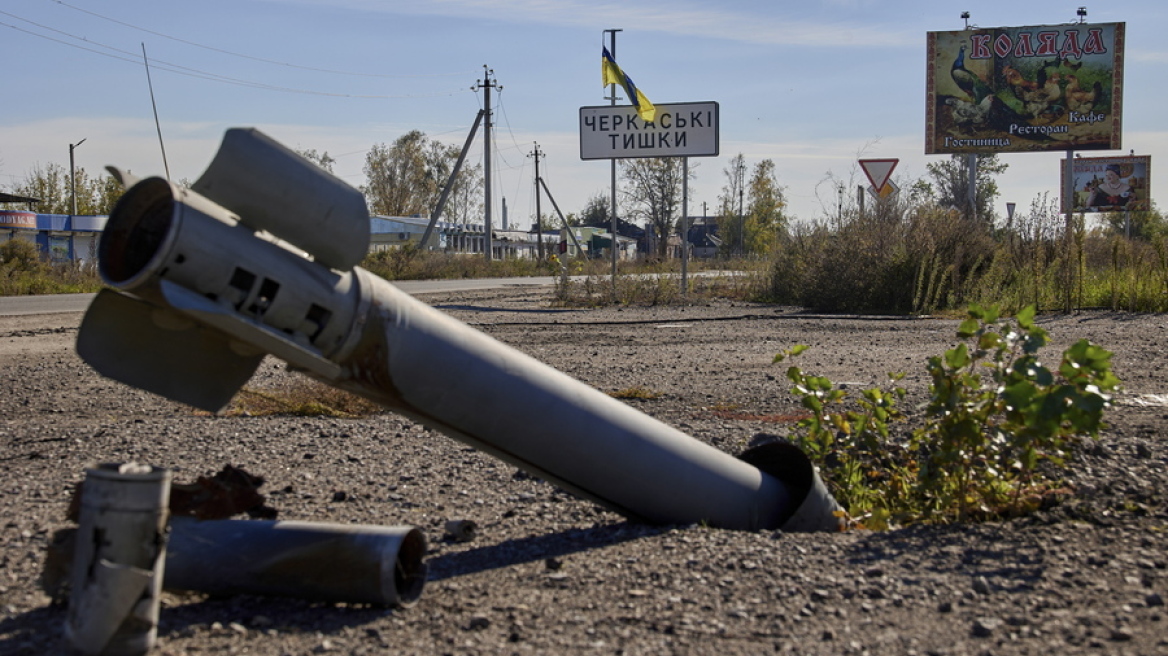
[549, 573]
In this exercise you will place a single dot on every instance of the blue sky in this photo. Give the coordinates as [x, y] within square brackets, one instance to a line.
[813, 85]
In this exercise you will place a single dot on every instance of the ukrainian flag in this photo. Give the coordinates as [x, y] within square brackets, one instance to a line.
[612, 74]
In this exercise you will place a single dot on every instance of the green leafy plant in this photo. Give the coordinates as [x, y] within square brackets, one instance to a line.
[852, 443]
[996, 413]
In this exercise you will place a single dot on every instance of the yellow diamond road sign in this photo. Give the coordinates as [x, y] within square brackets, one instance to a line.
[878, 171]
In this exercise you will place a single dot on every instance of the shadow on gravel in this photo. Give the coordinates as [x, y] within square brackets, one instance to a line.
[33, 632]
[541, 547]
[971, 550]
[40, 631]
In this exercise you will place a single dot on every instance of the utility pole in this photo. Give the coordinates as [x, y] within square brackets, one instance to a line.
[73, 177]
[536, 154]
[684, 225]
[741, 220]
[486, 85]
[612, 164]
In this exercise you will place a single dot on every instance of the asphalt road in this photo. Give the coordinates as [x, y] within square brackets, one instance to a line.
[65, 303]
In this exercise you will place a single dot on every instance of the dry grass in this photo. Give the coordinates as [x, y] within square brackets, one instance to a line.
[636, 393]
[304, 398]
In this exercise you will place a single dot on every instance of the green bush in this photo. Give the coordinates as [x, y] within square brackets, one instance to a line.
[24, 272]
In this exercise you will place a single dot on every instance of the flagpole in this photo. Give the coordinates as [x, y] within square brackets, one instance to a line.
[612, 170]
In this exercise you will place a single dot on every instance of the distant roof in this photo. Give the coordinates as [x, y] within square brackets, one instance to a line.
[10, 198]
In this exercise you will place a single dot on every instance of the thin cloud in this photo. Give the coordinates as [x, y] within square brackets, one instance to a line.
[672, 18]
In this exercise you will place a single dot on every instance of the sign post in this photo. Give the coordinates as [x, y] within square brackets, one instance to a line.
[679, 130]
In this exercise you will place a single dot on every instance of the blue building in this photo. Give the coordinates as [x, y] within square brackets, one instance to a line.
[73, 238]
[59, 237]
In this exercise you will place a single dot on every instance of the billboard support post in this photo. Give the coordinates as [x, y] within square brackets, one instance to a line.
[971, 162]
[1068, 193]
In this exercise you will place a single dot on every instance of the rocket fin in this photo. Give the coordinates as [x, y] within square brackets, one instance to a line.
[159, 350]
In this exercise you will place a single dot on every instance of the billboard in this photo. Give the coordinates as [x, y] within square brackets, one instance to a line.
[15, 219]
[1025, 89]
[1108, 184]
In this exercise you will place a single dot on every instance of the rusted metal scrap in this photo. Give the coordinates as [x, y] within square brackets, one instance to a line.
[209, 552]
[232, 491]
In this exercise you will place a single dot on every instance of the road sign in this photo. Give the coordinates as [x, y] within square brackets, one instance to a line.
[680, 130]
[878, 171]
[889, 190]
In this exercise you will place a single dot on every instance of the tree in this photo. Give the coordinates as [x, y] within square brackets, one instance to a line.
[322, 159]
[106, 192]
[730, 205]
[654, 193]
[764, 220]
[407, 178]
[1142, 225]
[951, 178]
[465, 204]
[53, 186]
[597, 211]
[50, 185]
[393, 175]
[400, 182]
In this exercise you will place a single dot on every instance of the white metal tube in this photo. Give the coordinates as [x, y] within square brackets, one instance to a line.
[461, 382]
[117, 567]
[177, 250]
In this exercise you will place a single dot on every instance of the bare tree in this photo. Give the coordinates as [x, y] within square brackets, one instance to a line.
[654, 193]
[465, 204]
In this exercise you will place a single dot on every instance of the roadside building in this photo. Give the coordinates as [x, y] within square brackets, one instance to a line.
[59, 237]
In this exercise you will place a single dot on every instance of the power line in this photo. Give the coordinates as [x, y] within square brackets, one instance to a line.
[123, 55]
[251, 57]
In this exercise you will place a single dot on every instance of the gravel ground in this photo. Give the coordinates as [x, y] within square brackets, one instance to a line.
[551, 574]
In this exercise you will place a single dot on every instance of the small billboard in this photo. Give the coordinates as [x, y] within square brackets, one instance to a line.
[1108, 184]
[1025, 89]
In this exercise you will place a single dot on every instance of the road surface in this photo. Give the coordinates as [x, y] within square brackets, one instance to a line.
[66, 303]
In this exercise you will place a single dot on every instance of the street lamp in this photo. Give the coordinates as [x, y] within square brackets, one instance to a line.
[73, 177]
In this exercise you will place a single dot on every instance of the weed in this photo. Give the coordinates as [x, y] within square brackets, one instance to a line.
[23, 271]
[995, 413]
[635, 393]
